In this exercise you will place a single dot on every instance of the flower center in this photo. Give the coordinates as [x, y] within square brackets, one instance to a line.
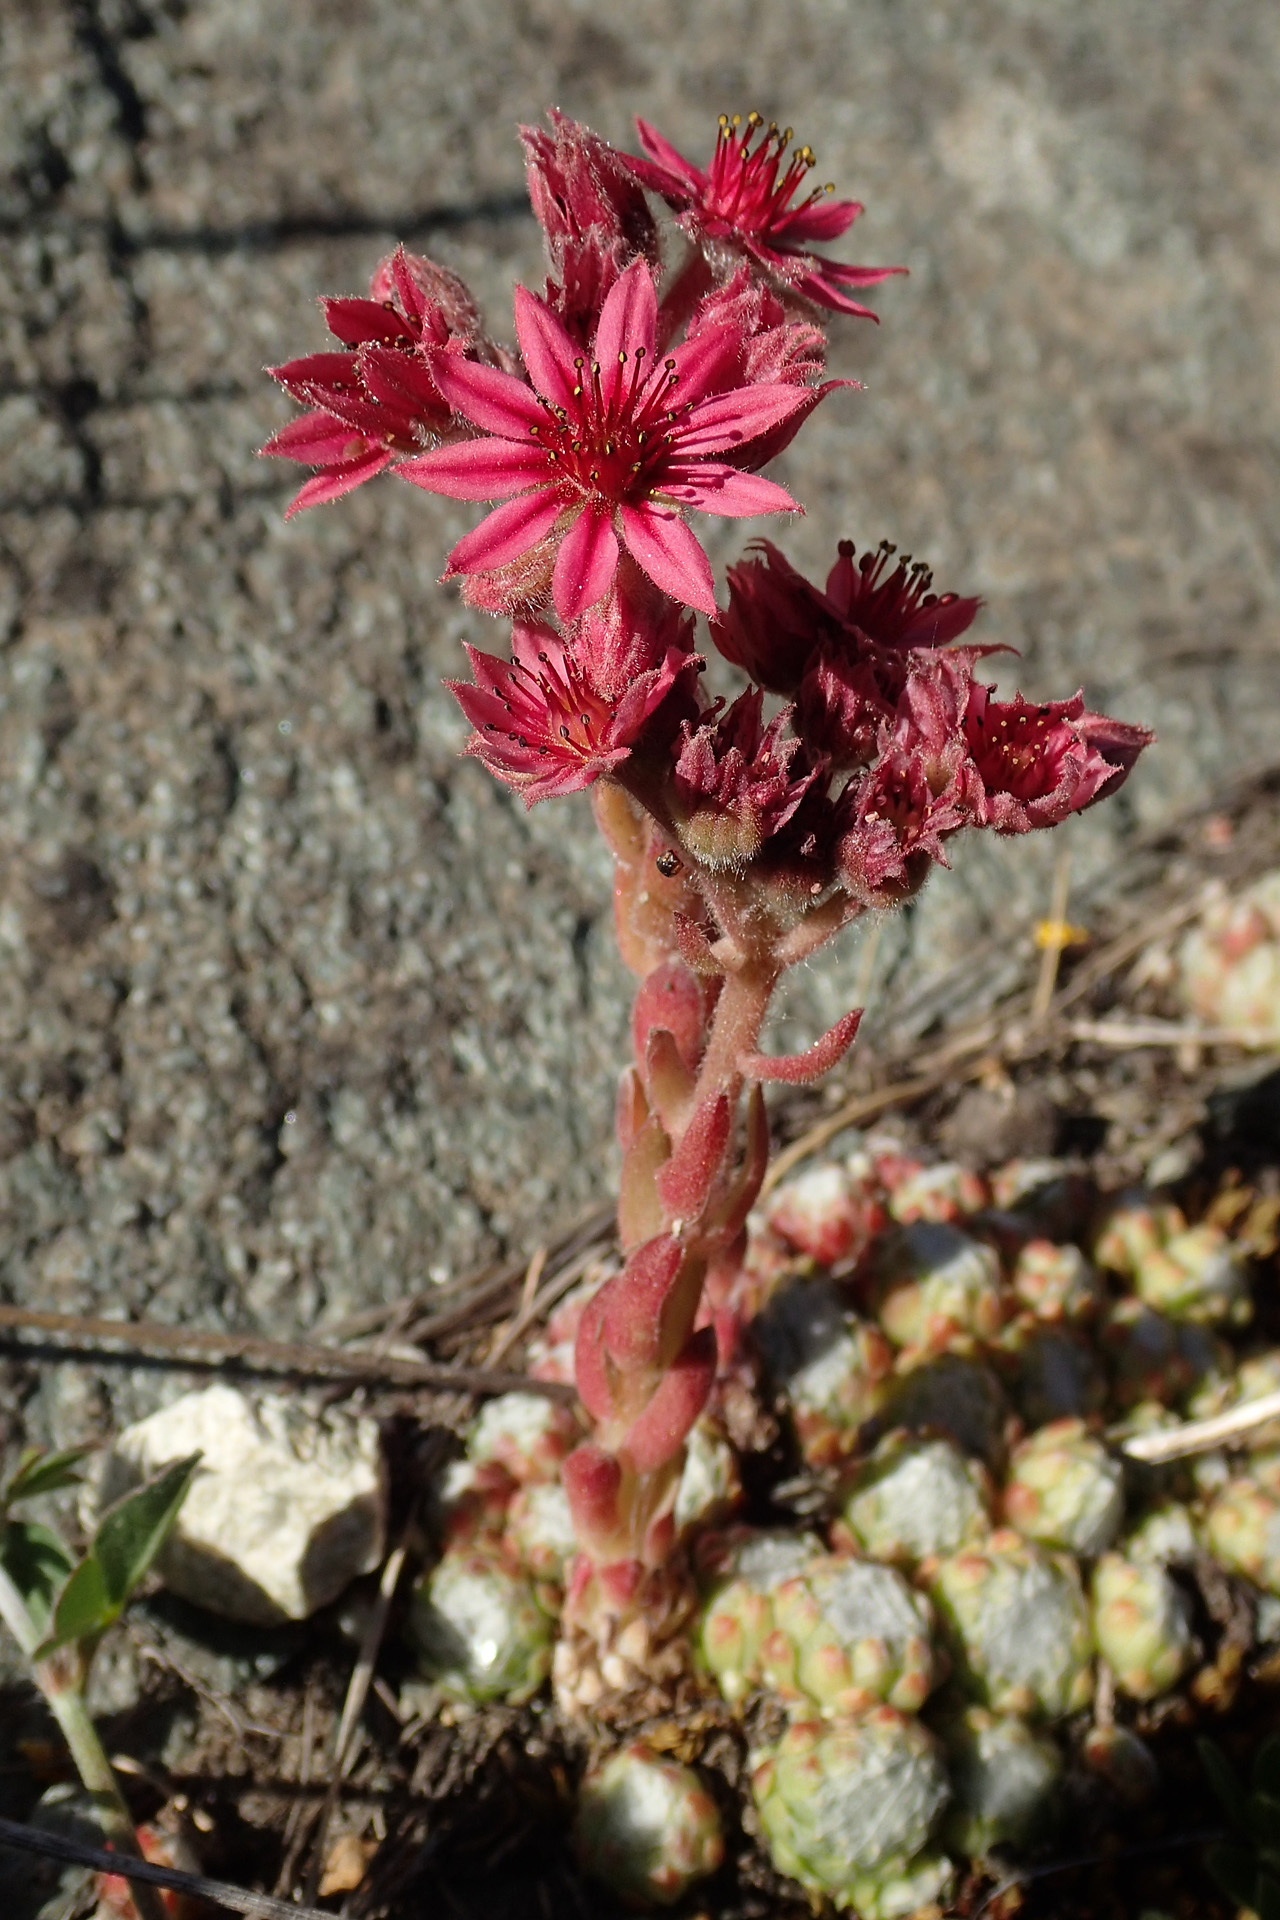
[612, 447]
[555, 712]
[744, 192]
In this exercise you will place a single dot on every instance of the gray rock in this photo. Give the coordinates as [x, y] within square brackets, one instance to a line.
[286, 1509]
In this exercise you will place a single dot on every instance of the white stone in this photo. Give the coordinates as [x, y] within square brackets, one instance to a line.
[286, 1509]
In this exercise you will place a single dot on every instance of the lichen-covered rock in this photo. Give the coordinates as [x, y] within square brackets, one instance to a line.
[646, 1827]
[954, 1396]
[936, 1288]
[1017, 1624]
[848, 1808]
[831, 1365]
[478, 1630]
[1065, 1490]
[525, 1433]
[287, 1506]
[1056, 1282]
[1055, 1374]
[837, 1634]
[1004, 1781]
[1242, 1529]
[915, 1498]
[1229, 964]
[1196, 1275]
[1142, 1625]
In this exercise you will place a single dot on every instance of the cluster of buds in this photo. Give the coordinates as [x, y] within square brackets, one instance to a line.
[746, 834]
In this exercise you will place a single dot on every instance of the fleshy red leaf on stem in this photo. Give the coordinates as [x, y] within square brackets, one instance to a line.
[664, 1426]
[639, 1209]
[593, 1480]
[632, 1316]
[671, 998]
[685, 1183]
[590, 1364]
[797, 1069]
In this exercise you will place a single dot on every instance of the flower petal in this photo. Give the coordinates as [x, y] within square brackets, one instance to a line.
[663, 546]
[708, 362]
[732, 419]
[822, 220]
[478, 469]
[585, 564]
[628, 322]
[717, 488]
[546, 349]
[496, 401]
[333, 482]
[667, 156]
[505, 533]
[317, 439]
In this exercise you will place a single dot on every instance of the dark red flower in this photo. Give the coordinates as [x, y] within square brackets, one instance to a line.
[844, 654]
[1037, 764]
[734, 781]
[540, 727]
[743, 202]
[605, 451]
[378, 400]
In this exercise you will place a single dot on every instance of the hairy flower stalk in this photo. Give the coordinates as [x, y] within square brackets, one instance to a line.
[744, 835]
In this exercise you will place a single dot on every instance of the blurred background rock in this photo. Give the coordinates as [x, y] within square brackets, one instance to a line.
[298, 1011]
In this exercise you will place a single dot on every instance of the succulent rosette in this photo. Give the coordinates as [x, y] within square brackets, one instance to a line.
[1017, 1624]
[836, 1634]
[527, 1434]
[945, 1192]
[915, 1498]
[1241, 1529]
[955, 1396]
[478, 1630]
[1053, 1372]
[741, 1571]
[830, 1364]
[1005, 1776]
[1142, 1625]
[829, 1211]
[1196, 1275]
[1064, 1489]
[850, 1807]
[935, 1288]
[1229, 965]
[1056, 1282]
[1154, 1358]
[646, 1827]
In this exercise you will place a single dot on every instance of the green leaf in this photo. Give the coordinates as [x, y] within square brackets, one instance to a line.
[1235, 1870]
[131, 1533]
[84, 1609]
[44, 1473]
[1266, 1768]
[1224, 1783]
[37, 1563]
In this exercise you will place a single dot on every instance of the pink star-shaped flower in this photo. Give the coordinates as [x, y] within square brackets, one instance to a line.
[607, 450]
[744, 200]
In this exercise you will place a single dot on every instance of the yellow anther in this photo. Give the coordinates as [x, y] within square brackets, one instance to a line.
[1051, 936]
